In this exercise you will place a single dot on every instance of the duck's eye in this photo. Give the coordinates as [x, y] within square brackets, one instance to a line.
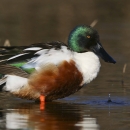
[88, 36]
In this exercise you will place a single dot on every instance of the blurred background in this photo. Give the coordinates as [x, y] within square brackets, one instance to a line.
[29, 21]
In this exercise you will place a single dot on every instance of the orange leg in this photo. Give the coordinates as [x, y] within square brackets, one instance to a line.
[42, 102]
[42, 98]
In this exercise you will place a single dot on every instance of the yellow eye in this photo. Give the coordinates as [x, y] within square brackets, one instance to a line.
[88, 36]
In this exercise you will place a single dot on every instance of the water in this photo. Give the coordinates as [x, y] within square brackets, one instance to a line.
[74, 112]
[27, 22]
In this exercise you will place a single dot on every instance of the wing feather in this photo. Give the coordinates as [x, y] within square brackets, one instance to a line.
[8, 69]
[13, 55]
[19, 53]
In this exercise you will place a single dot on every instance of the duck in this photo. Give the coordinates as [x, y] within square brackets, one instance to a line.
[52, 70]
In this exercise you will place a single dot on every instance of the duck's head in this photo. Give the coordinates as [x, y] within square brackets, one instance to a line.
[85, 38]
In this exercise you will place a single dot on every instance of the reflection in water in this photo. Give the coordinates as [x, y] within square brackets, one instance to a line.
[15, 120]
[88, 124]
[56, 116]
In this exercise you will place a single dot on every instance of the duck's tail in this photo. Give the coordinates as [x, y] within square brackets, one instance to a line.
[11, 76]
[18, 86]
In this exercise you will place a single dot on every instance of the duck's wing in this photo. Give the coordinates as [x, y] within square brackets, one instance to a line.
[19, 60]
[22, 53]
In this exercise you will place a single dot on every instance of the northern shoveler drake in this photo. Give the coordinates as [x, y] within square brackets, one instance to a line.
[52, 70]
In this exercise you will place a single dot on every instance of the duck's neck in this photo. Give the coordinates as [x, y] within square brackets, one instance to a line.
[88, 63]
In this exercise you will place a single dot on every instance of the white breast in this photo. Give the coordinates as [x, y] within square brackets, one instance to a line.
[88, 63]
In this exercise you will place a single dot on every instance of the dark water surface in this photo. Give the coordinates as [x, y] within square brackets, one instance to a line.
[27, 22]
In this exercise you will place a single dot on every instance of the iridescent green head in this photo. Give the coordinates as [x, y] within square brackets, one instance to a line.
[85, 38]
[82, 38]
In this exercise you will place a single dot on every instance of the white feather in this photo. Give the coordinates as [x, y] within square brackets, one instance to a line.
[32, 49]
[42, 52]
[50, 56]
[13, 57]
[14, 83]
